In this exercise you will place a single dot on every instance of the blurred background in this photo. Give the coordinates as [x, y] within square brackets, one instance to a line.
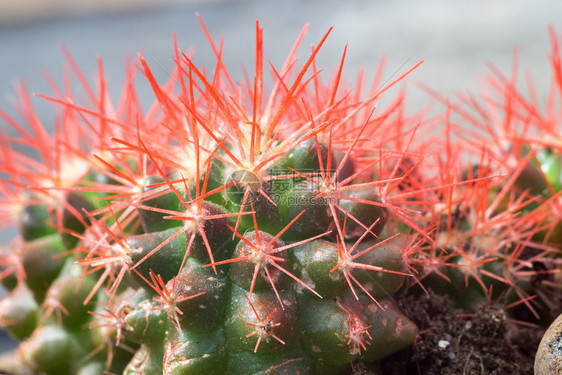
[455, 38]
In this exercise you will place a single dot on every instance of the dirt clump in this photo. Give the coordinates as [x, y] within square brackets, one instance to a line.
[454, 343]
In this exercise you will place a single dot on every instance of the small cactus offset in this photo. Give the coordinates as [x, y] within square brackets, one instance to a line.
[231, 229]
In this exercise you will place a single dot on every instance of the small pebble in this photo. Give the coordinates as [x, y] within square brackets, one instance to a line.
[548, 360]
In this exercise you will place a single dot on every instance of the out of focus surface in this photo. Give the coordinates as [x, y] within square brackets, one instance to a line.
[456, 40]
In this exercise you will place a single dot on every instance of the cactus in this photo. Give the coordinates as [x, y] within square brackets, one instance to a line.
[221, 232]
[500, 225]
[230, 231]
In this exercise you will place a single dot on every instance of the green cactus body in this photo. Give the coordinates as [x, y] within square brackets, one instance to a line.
[269, 302]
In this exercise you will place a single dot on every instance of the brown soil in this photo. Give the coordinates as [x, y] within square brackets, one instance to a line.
[452, 343]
